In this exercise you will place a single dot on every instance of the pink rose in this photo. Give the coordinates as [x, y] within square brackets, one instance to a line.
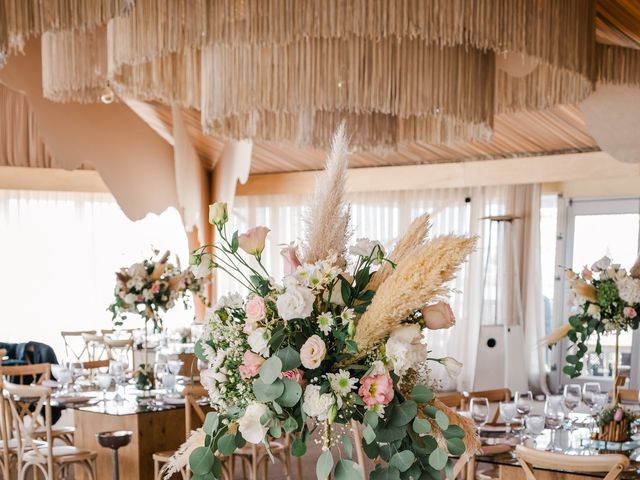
[251, 364]
[376, 389]
[313, 352]
[295, 375]
[291, 260]
[587, 274]
[630, 312]
[439, 315]
[155, 288]
[253, 240]
[619, 415]
[255, 309]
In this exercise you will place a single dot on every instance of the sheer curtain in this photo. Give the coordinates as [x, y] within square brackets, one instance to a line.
[385, 215]
[59, 252]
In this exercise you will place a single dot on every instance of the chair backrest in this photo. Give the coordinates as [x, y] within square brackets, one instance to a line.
[75, 347]
[94, 344]
[611, 464]
[30, 409]
[451, 399]
[5, 432]
[494, 396]
[629, 396]
[3, 352]
[22, 374]
[189, 364]
[123, 344]
[194, 414]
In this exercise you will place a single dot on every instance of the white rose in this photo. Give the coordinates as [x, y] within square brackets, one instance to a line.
[365, 248]
[377, 368]
[295, 302]
[218, 214]
[316, 405]
[249, 424]
[259, 341]
[130, 298]
[405, 348]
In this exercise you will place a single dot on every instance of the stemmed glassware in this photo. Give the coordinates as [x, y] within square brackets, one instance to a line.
[571, 396]
[508, 412]
[63, 375]
[104, 382]
[600, 401]
[479, 410]
[589, 390]
[116, 369]
[535, 425]
[524, 404]
[159, 371]
[553, 416]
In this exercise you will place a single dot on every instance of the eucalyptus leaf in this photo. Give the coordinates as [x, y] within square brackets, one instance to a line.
[421, 394]
[403, 460]
[454, 431]
[372, 450]
[403, 414]
[385, 473]
[442, 420]
[201, 460]
[347, 470]
[421, 426]
[438, 459]
[455, 446]
[271, 370]
[368, 434]
[291, 395]
[227, 445]
[289, 357]
[211, 423]
[290, 425]
[324, 465]
[371, 418]
[348, 446]
[198, 350]
[298, 448]
[267, 392]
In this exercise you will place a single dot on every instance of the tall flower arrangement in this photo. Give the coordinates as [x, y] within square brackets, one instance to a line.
[607, 302]
[339, 339]
[152, 287]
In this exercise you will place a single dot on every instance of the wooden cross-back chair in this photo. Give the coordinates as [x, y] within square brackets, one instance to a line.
[92, 367]
[629, 396]
[52, 461]
[494, 396]
[7, 443]
[611, 464]
[94, 344]
[37, 373]
[124, 344]
[451, 399]
[75, 347]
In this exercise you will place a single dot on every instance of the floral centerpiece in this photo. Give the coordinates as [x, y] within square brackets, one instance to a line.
[615, 424]
[607, 299]
[149, 289]
[339, 339]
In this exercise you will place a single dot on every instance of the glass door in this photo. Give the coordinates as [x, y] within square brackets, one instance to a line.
[595, 228]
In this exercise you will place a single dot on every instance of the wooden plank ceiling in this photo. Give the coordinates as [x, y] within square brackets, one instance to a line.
[557, 130]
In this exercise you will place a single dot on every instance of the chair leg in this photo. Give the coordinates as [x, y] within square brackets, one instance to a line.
[156, 470]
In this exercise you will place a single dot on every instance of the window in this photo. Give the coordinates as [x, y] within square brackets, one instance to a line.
[59, 252]
[604, 227]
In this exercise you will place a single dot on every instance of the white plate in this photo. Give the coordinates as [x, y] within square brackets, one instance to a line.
[173, 400]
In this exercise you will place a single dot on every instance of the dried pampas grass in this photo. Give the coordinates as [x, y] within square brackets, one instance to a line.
[635, 270]
[555, 336]
[327, 222]
[417, 280]
[415, 236]
[180, 459]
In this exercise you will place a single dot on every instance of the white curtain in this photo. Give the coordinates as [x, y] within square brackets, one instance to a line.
[385, 215]
[59, 252]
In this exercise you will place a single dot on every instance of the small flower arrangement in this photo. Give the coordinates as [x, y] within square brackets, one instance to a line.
[607, 299]
[615, 424]
[341, 338]
[152, 287]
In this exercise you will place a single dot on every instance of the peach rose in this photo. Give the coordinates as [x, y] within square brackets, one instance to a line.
[585, 290]
[251, 364]
[255, 309]
[376, 389]
[295, 375]
[291, 260]
[587, 274]
[252, 241]
[439, 315]
[630, 312]
[313, 352]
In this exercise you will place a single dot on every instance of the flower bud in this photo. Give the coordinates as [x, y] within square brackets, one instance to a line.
[218, 214]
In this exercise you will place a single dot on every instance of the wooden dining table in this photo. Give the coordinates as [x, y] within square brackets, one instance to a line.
[156, 426]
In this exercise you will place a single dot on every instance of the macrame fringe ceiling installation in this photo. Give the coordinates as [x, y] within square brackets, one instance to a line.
[398, 71]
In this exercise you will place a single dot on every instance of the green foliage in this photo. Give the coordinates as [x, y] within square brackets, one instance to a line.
[324, 465]
[403, 460]
[201, 460]
[289, 357]
[403, 413]
[421, 394]
[271, 370]
[347, 470]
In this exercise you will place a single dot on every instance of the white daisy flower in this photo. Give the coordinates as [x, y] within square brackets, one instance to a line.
[341, 382]
[325, 322]
[347, 315]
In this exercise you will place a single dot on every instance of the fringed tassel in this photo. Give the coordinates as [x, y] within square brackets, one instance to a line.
[180, 459]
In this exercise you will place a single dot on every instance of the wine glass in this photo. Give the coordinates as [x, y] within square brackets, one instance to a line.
[175, 366]
[63, 376]
[553, 416]
[479, 409]
[104, 382]
[159, 371]
[534, 425]
[169, 384]
[508, 412]
[76, 372]
[524, 404]
[589, 389]
[571, 396]
[116, 369]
